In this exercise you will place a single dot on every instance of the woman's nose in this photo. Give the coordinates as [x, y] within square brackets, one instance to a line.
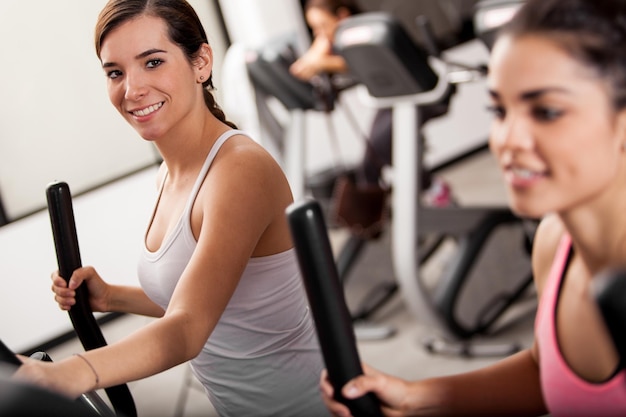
[135, 87]
[511, 132]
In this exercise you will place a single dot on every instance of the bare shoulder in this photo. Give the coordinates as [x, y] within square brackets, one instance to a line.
[244, 168]
[545, 244]
[242, 150]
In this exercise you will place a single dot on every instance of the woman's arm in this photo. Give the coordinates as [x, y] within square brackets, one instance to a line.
[509, 387]
[319, 58]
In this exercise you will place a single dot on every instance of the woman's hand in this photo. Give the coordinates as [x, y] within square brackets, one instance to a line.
[65, 293]
[68, 377]
[393, 393]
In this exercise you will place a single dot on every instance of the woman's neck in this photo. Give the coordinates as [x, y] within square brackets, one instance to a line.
[184, 150]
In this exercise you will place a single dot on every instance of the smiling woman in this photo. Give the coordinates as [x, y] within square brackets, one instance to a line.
[217, 265]
[558, 90]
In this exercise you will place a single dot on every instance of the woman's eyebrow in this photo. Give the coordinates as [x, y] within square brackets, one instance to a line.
[149, 52]
[138, 56]
[532, 94]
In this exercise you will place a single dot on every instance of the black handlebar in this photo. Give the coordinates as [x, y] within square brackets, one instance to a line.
[609, 291]
[326, 298]
[68, 258]
[7, 355]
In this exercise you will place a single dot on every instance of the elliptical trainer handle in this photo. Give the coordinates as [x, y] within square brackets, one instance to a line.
[609, 292]
[68, 259]
[328, 306]
[7, 355]
[63, 225]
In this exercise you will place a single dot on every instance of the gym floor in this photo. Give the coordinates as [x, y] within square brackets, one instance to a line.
[475, 180]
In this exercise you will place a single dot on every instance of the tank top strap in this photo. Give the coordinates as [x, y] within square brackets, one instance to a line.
[207, 164]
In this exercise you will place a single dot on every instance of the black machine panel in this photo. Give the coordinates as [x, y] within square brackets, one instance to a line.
[382, 56]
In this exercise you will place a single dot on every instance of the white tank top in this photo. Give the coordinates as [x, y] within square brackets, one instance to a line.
[262, 358]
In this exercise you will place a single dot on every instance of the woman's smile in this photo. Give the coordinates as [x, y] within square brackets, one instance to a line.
[147, 111]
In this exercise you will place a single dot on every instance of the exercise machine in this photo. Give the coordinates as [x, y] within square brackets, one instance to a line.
[326, 298]
[3, 217]
[268, 70]
[399, 74]
[61, 212]
[609, 291]
[492, 14]
[396, 73]
[68, 256]
[22, 399]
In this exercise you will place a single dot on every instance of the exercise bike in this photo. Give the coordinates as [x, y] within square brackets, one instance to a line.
[396, 73]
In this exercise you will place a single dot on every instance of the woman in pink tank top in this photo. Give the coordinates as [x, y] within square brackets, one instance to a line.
[557, 82]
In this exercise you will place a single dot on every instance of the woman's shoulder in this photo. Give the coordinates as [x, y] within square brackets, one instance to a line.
[242, 150]
[244, 165]
[545, 244]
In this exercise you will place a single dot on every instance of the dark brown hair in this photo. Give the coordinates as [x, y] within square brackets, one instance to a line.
[333, 6]
[591, 31]
[184, 29]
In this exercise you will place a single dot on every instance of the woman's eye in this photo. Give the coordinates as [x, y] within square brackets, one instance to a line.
[546, 113]
[153, 63]
[114, 74]
[497, 111]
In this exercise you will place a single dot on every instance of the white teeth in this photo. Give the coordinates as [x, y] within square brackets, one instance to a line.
[523, 173]
[148, 110]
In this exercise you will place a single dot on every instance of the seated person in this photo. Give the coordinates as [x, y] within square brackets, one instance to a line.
[323, 17]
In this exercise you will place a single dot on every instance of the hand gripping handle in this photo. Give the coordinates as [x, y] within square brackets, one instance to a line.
[68, 258]
[326, 298]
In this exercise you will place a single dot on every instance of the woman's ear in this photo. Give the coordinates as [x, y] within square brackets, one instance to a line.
[203, 62]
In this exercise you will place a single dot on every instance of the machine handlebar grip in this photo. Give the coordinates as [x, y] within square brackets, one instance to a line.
[609, 291]
[326, 298]
[8, 356]
[68, 258]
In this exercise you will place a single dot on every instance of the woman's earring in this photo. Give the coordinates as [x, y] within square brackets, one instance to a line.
[201, 78]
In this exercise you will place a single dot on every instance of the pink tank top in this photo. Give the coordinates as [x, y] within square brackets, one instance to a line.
[564, 392]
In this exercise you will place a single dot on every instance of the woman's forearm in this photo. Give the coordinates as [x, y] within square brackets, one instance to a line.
[127, 299]
[509, 387]
[156, 347]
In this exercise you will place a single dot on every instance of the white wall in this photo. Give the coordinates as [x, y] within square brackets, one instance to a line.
[253, 22]
[56, 122]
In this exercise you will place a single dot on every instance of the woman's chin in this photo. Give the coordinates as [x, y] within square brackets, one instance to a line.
[526, 211]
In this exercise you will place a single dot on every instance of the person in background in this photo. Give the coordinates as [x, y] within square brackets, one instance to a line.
[557, 83]
[217, 266]
[323, 17]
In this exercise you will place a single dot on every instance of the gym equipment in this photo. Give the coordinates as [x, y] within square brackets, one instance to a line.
[328, 306]
[68, 257]
[609, 292]
[492, 14]
[3, 217]
[21, 399]
[375, 47]
[268, 68]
